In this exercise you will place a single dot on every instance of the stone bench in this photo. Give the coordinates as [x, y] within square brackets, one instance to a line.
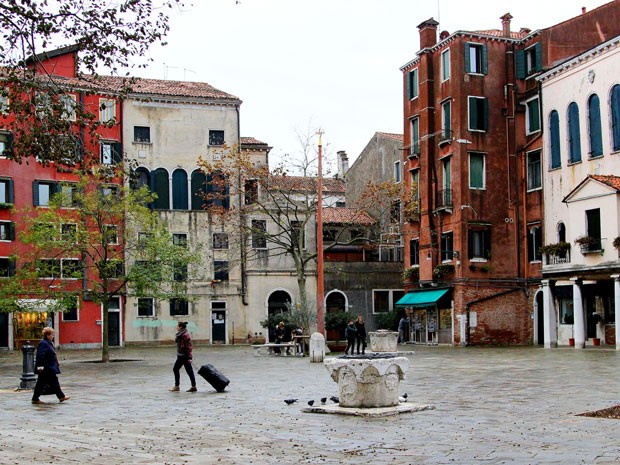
[259, 349]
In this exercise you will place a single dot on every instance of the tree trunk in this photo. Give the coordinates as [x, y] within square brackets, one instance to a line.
[105, 351]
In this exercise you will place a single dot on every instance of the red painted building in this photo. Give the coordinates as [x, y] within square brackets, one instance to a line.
[30, 184]
[472, 134]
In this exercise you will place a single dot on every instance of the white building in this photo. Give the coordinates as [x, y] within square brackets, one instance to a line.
[581, 270]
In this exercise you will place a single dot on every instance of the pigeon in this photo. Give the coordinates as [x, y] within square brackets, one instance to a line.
[290, 401]
[405, 395]
[335, 399]
[323, 400]
[402, 399]
[310, 403]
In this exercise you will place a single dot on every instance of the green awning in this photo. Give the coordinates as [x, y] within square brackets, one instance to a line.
[426, 298]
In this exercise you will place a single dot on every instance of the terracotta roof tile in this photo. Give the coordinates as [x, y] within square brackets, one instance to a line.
[391, 135]
[307, 184]
[610, 180]
[346, 215]
[500, 33]
[251, 141]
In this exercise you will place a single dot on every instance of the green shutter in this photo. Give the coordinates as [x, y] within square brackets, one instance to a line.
[538, 52]
[11, 192]
[487, 243]
[484, 59]
[117, 153]
[35, 193]
[467, 59]
[11, 231]
[520, 64]
[473, 113]
[485, 109]
[161, 187]
[409, 85]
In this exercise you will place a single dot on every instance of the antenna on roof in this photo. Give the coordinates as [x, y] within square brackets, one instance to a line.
[438, 13]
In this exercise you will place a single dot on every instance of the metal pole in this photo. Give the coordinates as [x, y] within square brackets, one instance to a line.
[28, 378]
[319, 243]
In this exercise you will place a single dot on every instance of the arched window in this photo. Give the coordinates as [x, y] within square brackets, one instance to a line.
[199, 190]
[615, 116]
[278, 302]
[161, 188]
[140, 178]
[218, 190]
[594, 122]
[554, 139]
[335, 301]
[179, 190]
[574, 136]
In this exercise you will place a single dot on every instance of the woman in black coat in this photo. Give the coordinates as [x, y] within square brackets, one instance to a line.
[47, 369]
[361, 334]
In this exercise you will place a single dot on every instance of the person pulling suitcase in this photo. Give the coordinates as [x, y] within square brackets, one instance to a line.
[184, 358]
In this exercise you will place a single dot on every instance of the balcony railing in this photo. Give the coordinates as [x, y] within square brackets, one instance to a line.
[445, 137]
[414, 150]
[556, 259]
[444, 198]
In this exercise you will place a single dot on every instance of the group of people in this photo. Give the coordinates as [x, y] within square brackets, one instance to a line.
[355, 333]
[279, 334]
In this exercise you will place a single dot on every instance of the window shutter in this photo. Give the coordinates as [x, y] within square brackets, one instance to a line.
[573, 133]
[12, 267]
[198, 190]
[554, 123]
[485, 59]
[473, 113]
[538, 52]
[594, 116]
[226, 203]
[487, 243]
[410, 85]
[179, 190]
[11, 192]
[470, 244]
[35, 193]
[520, 64]
[467, 59]
[11, 231]
[117, 153]
[162, 189]
[485, 109]
[615, 116]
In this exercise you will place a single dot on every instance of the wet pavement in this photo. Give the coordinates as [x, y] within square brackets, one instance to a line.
[492, 406]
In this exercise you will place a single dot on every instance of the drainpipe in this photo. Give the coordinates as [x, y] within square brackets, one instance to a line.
[242, 248]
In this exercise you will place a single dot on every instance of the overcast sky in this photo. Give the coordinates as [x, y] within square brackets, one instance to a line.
[331, 64]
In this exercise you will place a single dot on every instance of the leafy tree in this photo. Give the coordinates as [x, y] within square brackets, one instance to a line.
[114, 241]
[45, 122]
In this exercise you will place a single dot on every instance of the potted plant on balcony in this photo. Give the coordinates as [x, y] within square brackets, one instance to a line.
[558, 249]
[411, 274]
[588, 243]
[443, 269]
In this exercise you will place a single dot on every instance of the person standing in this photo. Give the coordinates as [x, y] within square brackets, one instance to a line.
[279, 337]
[360, 335]
[403, 325]
[184, 357]
[350, 333]
[48, 369]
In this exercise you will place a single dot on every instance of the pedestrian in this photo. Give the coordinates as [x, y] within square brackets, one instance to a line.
[184, 357]
[350, 333]
[402, 328]
[296, 335]
[279, 333]
[360, 335]
[48, 369]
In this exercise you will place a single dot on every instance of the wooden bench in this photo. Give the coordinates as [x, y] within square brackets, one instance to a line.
[258, 349]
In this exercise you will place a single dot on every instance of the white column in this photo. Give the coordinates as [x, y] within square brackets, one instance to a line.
[616, 278]
[580, 330]
[549, 319]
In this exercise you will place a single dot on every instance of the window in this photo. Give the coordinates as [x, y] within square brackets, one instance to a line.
[145, 307]
[477, 175]
[446, 123]
[447, 247]
[615, 116]
[4, 102]
[7, 231]
[108, 193]
[220, 270]
[180, 240]
[7, 267]
[68, 232]
[113, 269]
[594, 123]
[69, 198]
[534, 243]
[414, 252]
[71, 268]
[251, 191]
[216, 137]
[475, 58]
[6, 191]
[218, 190]
[528, 61]
[445, 194]
[70, 312]
[297, 234]
[69, 104]
[554, 140]
[532, 118]
[144, 239]
[412, 84]
[6, 143]
[561, 230]
[574, 137]
[161, 187]
[445, 65]
[48, 268]
[142, 134]
[415, 137]
[329, 234]
[395, 211]
[397, 177]
[478, 113]
[479, 243]
[259, 234]
[199, 190]
[179, 190]
[179, 307]
[384, 300]
[110, 234]
[111, 153]
[593, 228]
[107, 110]
[566, 308]
[180, 269]
[220, 240]
[42, 192]
[534, 171]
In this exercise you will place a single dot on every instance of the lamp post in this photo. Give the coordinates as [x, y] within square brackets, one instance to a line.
[320, 287]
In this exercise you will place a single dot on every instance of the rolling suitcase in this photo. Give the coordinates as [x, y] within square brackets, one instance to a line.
[214, 377]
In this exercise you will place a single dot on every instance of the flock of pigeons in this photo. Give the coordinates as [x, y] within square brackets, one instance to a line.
[334, 399]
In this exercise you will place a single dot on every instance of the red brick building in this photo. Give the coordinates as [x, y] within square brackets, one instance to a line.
[472, 134]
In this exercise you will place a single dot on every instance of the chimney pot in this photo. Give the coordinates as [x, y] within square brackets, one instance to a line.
[428, 33]
[506, 24]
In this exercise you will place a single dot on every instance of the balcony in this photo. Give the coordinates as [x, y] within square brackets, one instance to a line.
[445, 137]
[414, 150]
[589, 244]
[444, 199]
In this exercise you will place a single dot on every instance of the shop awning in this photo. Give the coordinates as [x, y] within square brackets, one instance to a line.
[426, 298]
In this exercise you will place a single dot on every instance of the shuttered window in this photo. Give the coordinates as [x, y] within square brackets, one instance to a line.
[6, 192]
[479, 243]
[179, 190]
[594, 123]
[615, 116]
[161, 188]
[199, 190]
[554, 139]
[478, 113]
[476, 57]
[412, 84]
[574, 137]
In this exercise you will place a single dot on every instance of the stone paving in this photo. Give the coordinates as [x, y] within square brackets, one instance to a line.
[492, 406]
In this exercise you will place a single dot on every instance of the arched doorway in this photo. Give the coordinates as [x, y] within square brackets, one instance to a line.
[335, 302]
[278, 302]
[540, 319]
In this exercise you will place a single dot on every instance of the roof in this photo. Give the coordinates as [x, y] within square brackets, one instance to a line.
[391, 135]
[251, 141]
[307, 184]
[346, 215]
[499, 33]
[607, 180]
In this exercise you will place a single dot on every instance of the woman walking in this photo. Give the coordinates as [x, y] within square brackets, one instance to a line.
[361, 334]
[349, 334]
[47, 369]
[184, 357]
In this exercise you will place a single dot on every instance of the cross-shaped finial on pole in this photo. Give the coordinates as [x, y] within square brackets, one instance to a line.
[320, 133]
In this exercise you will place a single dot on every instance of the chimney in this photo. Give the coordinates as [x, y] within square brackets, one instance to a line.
[428, 33]
[343, 163]
[583, 10]
[506, 24]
